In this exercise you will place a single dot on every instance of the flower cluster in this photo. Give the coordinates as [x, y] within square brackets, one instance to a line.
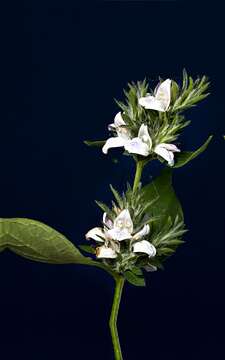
[131, 236]
[150, 121]
[119, 239]
[119, 230]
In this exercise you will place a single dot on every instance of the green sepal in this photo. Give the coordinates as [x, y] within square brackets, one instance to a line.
[38, 242]
[134, 279]
[184, 157]
[97, 143]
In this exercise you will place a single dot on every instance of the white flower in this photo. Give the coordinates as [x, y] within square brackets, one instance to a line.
[166, 152]
[105, 252]
[161, 100]
[145, 247]
[122, 134]
[141, 145]
[96, 234]
[122, 227]
[140, 234]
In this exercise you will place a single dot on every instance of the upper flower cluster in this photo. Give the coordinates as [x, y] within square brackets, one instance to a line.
[142, 144]
[150, 121]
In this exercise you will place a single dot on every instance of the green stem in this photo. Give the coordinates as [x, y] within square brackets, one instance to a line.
[113, 318]
[139, 167]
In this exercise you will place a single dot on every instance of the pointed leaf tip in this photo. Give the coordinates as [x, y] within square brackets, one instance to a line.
[184, 157]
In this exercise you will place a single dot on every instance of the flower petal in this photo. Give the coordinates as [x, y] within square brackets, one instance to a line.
[123, 221]
[150, 102]
[122, 227]
[144, 246]
[96, 234]
[105, 252]
[111, 127]
[113, 142]
[161, 100]
[123, 132]
[136, 146]
[107, 221]
[118, 234]
[118, 120]
[144, 231]
[144, 135]
[165, 154]
[170, 147]
[163, 94]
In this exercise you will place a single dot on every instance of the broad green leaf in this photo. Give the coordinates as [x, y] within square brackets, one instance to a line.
[134, 279]
[98, 143]
[137, 271]
[166, 204]
[183, 158]
[87, 248]
[39, 242]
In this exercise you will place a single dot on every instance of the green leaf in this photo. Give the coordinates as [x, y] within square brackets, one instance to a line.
[98, 143]
[87, 248]
[183, 158]
[39, 242]
[165, 251]
[137, 271]
[174, 91]
[105, 208]
[133, 279]
[117, 196]
[164, 202]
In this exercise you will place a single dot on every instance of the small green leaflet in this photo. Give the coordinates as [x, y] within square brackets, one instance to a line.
[184, 157]
[97, 143]
[134, 279]
[39, 242]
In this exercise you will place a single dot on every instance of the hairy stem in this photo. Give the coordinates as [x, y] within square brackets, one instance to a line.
[113, 318]
[139, 168]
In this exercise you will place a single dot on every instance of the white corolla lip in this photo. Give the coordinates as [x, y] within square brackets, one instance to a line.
[145, 247]
[118, 121]
[166, 152]
[136, 146]
[122, 137]
[96, 234]
[143, 232]
[143, 134]
[161, 100]
[122, 227]
[119, 234]
[105, 252]
[141, 144]
[113, 142]
[106, 221]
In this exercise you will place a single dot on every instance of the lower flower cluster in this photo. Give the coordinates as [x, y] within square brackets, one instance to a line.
[119, 240]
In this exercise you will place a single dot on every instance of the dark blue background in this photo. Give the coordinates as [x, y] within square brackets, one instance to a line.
[64, 64]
